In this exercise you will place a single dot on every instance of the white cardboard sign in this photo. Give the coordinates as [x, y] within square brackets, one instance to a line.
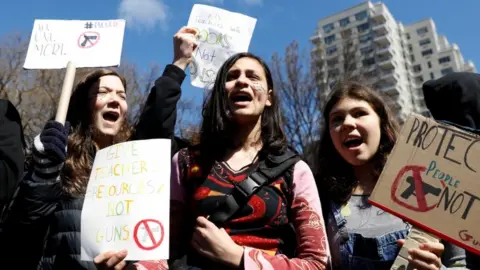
[127, 204]
[95, 43]
[221, 33]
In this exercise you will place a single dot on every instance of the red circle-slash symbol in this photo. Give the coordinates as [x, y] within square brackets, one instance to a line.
[149, 226]
[88, 39]
[418, 183]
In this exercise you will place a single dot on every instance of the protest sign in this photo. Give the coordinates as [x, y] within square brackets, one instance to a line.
[431, 179]
[221, 33]
[95, 43]
[127, 204]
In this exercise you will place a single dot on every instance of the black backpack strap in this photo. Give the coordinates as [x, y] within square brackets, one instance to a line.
[267, 171]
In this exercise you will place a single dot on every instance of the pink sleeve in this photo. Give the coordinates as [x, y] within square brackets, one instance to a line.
[177, 191]
[312, 246]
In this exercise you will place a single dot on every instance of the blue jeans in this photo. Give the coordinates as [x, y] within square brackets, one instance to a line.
[366, 253]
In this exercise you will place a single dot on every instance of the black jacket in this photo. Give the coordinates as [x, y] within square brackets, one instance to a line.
[11, 150]
[456, 98]
[47, 208]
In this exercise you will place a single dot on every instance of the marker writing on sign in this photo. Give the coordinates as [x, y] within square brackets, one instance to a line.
[460, 144]
[45, 43]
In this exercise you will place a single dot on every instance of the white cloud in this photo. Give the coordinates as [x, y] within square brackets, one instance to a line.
[253, 2]
[143, 14]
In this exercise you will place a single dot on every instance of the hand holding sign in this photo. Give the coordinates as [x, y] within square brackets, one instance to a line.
[184, 43]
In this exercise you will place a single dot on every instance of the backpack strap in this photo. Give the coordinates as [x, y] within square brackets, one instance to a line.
[267, 171]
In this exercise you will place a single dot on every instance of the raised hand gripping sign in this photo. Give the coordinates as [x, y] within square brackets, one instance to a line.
[221, 33]
[127, 204]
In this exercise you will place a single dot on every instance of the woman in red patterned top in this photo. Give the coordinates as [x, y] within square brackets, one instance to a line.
[241, 128]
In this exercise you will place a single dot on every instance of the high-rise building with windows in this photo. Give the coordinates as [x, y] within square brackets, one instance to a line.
[396, 58]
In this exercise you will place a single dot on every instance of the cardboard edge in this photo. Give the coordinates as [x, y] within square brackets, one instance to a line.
[426, 228]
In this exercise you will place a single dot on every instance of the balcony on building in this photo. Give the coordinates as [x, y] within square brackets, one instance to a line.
[380, 26]
[390, 89]
[383, 39]
[386, 63]
[389, 76]
[384, 51]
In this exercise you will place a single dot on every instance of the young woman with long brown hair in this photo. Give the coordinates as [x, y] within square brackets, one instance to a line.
[280, 226]
[52, 193]
[359, 134]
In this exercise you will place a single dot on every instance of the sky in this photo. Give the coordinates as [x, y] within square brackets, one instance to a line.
[151, 24]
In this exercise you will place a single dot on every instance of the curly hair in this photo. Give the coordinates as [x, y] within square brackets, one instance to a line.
[334, 175]
[81, 146]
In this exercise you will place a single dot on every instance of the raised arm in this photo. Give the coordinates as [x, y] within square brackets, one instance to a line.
[160, 112]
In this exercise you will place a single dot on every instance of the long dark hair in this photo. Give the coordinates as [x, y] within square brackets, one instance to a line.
[334, 175]
[81, 146]
[218, 129]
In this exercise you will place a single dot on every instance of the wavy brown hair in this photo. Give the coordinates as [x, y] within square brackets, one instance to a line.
[334, 175]
[81, 144]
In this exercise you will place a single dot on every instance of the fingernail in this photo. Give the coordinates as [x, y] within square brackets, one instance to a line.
[409, 258]
[123, 252]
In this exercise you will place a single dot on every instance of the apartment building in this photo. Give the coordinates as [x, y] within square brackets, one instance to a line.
[394, 58]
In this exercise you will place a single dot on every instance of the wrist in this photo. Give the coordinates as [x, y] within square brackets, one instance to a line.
[181, 63]
[235, 257]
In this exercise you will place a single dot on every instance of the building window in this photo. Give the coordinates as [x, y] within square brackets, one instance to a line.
[346, 33]
[429, 64]
[368, 62]
[334, 72]
[361, 15]
[444, 60]
[331, 50]
[363, 27]
[410, 48]
[432, 76]
[328, 28]
[329, 39]
[344, 22]
[419, 79]
[366, 50]
[408, 36]
[424, 42]
[427, 52]
[365, 38]
[417, 68]
[412, 57]
[445, 71]
[332, 62]
[422, 31]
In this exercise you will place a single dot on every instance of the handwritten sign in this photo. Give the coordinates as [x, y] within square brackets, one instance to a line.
[221, 34]
[432, 176]
[127, 201]
[86, 43]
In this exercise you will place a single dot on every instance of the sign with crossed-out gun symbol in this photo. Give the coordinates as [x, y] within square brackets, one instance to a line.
[88, 39]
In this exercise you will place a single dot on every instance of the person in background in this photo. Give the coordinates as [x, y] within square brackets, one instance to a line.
[52, 193]
[241, 130]
[12, 155]
[455, 99]
[360, 133]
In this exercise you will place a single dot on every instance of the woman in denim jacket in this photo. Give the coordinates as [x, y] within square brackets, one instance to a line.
[359, 134]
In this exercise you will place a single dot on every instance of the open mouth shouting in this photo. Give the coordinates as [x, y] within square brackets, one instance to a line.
[111, 116]
[353, 142]
[241, 98]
